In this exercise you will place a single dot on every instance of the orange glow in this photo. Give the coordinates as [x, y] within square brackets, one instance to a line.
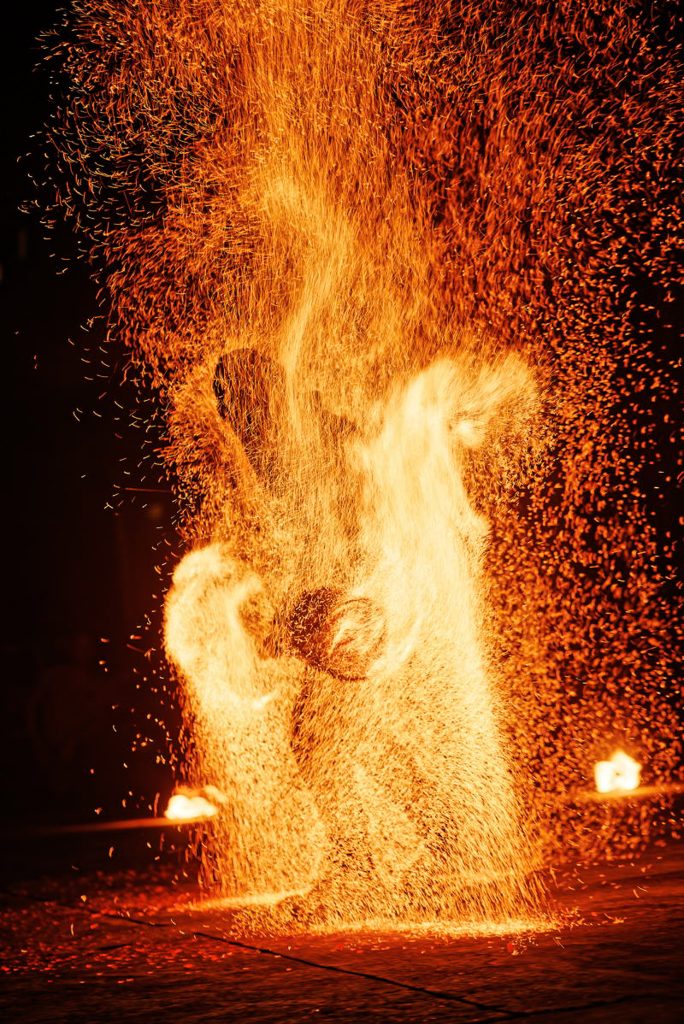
[618, 774]
[375, 259]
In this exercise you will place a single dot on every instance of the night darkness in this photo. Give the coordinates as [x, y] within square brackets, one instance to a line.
[80, 549]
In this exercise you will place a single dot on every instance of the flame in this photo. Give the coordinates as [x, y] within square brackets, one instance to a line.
[321, 768]
[189, 805]
[619, 774]
[330, 636]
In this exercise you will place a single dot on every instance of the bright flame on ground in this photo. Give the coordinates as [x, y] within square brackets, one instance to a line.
[618, 774]
[188, 805]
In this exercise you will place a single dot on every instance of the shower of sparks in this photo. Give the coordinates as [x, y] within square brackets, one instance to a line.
[401, 275]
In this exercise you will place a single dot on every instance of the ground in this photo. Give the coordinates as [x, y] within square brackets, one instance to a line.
[86, 945]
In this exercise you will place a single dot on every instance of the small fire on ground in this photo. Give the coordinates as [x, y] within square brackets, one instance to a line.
[192, 804]
[618, 774]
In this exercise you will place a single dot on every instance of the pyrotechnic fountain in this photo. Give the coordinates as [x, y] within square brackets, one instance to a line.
[367, 254]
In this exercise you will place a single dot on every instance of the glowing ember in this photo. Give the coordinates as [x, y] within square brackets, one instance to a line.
[380, 262]
[620, 773]
[188, 804]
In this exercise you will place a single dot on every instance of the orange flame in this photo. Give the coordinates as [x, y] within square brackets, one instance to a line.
[321, 773]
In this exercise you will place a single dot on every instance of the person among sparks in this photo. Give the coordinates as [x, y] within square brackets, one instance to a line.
[300, 684]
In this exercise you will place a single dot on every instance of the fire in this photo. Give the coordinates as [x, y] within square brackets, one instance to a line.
[376, 267]
[618, 774]
[190, 805]
[307, 700]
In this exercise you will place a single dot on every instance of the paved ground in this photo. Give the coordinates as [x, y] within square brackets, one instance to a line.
[83, 946]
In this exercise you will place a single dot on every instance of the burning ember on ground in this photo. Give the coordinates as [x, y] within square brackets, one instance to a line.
[380, 265]
[190, 805]
[619, 774]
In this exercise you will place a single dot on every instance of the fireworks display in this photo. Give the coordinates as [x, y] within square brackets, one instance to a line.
[400, 276]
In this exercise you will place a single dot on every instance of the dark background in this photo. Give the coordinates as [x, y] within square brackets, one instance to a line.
[80, 621]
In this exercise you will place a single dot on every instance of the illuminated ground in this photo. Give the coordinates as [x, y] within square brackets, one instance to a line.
[88, 946]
